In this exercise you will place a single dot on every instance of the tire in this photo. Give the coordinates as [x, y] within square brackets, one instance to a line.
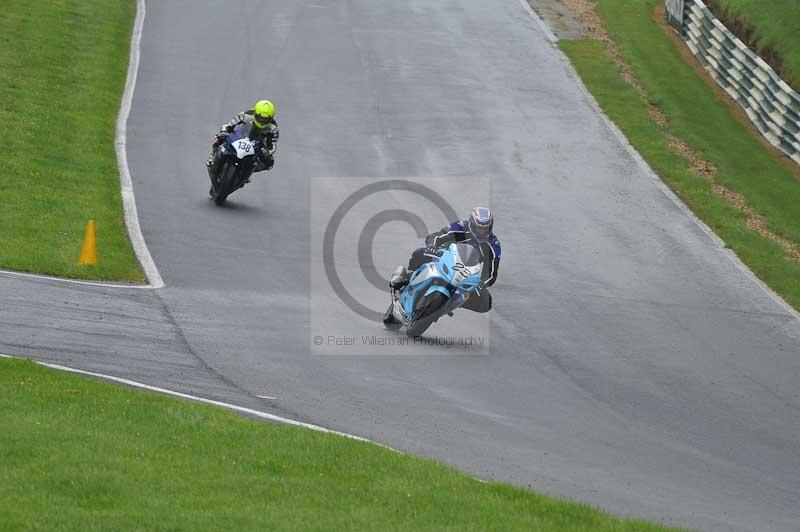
[426, 312]
[225, 184]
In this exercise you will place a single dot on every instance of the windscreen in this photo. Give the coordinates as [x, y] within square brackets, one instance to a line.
[470, 255]
[240, 131]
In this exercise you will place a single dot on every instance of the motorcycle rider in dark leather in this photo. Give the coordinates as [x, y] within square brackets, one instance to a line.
[477, 230]
[263, 126]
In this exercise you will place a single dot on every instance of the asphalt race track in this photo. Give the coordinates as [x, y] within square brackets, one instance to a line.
[631, 363]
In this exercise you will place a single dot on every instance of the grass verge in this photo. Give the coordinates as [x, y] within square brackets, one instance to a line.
[62, 73]
[79, 454]
[698, 117]
[770, 27]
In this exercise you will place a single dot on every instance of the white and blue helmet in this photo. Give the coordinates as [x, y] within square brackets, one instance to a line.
[480, 223]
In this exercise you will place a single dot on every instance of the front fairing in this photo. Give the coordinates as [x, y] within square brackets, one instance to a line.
[463, 265]
[422, 281]
[240, 145]
[456, 273]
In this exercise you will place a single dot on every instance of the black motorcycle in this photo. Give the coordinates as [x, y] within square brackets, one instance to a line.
[237, 161]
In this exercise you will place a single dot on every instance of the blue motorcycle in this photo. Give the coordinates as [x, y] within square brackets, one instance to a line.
[436, 288]
[238, 159]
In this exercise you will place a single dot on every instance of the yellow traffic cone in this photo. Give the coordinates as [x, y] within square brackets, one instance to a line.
[89, 248]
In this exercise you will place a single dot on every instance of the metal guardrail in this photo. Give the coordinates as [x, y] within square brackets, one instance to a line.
[768, 101]
[674, 12]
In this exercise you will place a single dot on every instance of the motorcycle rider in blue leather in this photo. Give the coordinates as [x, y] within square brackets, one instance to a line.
[477, 230]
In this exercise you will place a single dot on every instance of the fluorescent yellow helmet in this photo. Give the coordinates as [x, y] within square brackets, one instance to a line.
[263, 112]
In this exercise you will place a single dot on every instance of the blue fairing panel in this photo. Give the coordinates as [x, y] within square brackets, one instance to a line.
[438, 288]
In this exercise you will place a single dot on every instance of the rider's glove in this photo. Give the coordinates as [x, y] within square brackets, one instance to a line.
[218, 139]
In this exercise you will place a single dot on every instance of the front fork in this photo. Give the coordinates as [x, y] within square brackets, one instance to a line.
[454, 302]
[215, 164]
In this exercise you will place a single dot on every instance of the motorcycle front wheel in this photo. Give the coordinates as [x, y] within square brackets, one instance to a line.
[426, 312]
[225, 185]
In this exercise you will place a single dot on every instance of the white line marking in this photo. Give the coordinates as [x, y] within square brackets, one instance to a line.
[126, 183]
[729, 253]
[547, 31]
[266, 397]
[74, 281]
[242, 409]
[264, 415]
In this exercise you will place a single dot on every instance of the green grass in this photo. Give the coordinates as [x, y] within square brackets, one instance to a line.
[62, 72]
[770, 26]
[78, 454]
[706, 123]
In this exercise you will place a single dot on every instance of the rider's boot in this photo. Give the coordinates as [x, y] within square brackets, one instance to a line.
[388, 317]
[399, 278]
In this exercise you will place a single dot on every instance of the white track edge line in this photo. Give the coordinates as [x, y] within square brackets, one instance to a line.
[645, 167]
[120, 143]
[126, 183]
[542, 24]
[73, 281]
[229, 406]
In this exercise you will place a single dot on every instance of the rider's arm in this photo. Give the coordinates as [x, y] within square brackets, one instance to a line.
[490, 277]
[228, 127]
[272, 135]
[446, 236]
